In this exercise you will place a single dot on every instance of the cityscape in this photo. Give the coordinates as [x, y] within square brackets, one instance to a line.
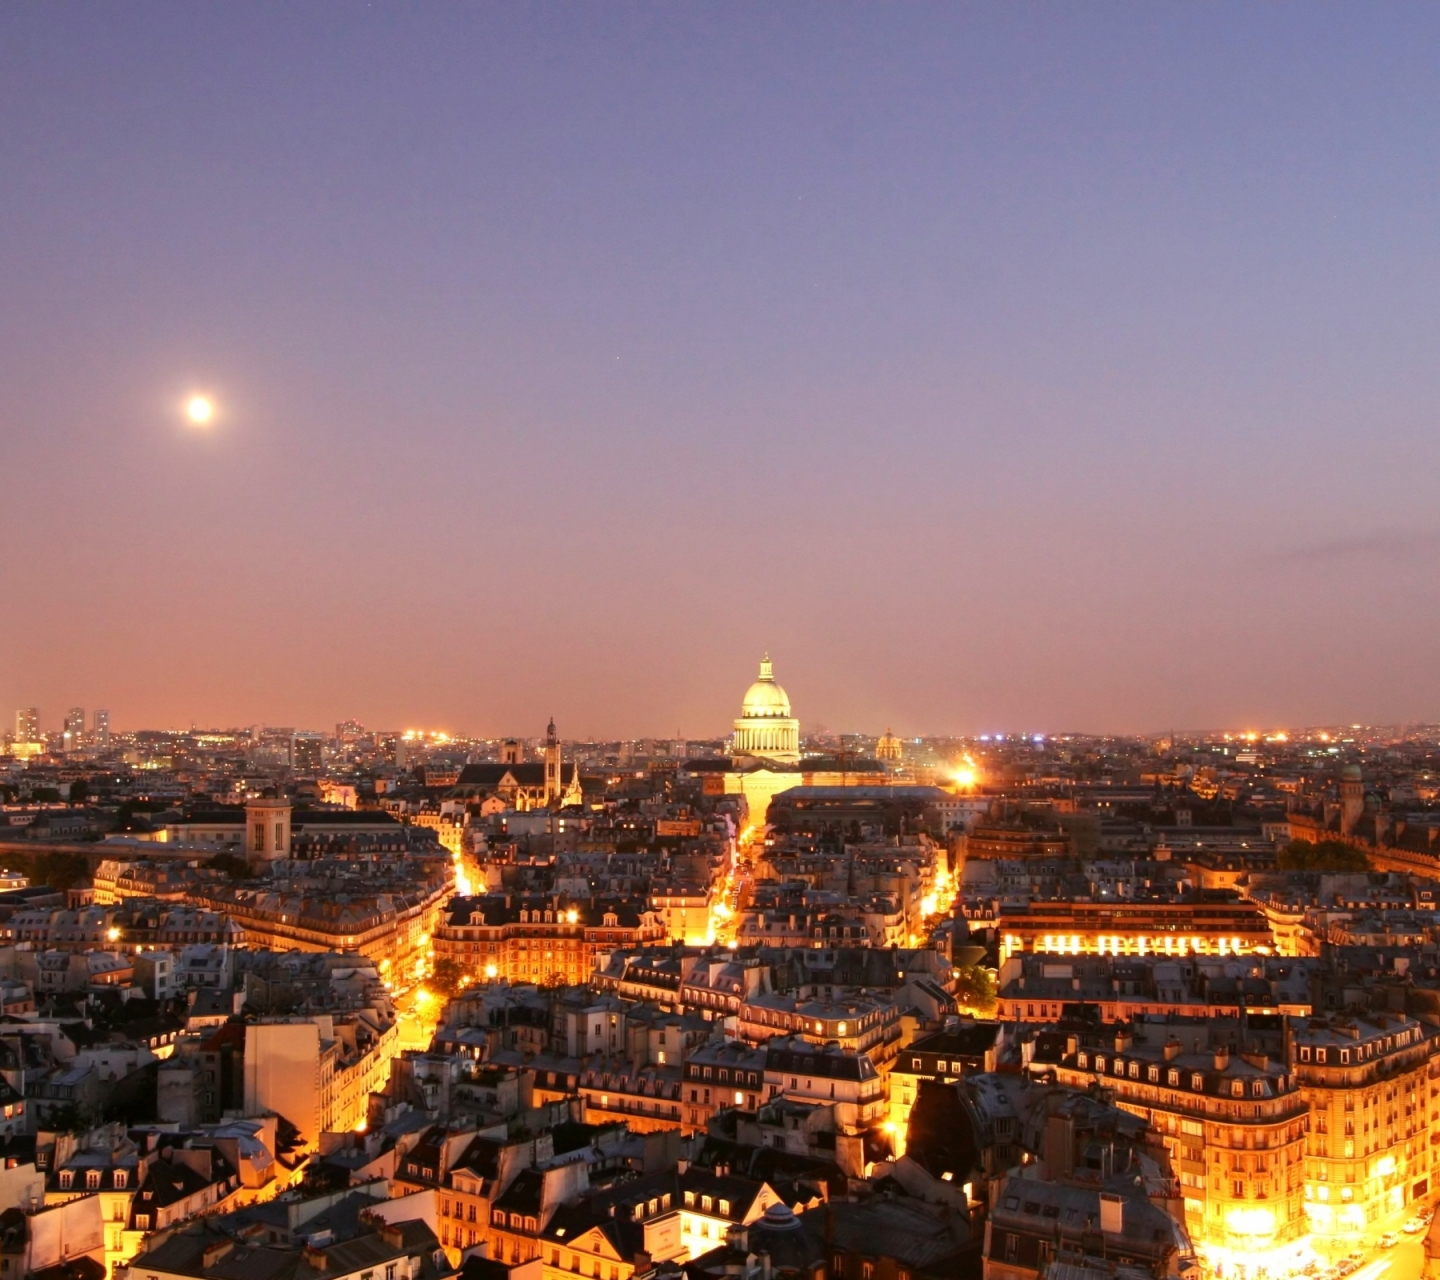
[719, 641]
[985, 1006]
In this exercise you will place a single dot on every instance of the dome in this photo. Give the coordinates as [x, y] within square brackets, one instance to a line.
[783, 1236]
[765, 697]
[1351, 773]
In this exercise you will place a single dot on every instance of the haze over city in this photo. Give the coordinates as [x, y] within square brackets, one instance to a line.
[995, 368]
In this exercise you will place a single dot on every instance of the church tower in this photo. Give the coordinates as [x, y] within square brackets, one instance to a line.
[552, 766]
[1352, 798]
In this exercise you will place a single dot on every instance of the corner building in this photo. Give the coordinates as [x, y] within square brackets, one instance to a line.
[1371, 1084]
[1234, 1125]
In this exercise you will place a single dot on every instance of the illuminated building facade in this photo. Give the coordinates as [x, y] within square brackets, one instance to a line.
[1371, 1086]
[829, 1076]
[766, 729]
[994, 843]
[1234, 1124]
[539, 938]
[1209, 924]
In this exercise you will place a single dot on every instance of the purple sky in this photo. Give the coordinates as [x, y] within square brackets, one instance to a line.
[1067, 367]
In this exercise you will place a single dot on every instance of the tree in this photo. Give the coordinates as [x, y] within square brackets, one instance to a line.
[975, 988]
[445, 977]
[1322, 855]
[234, 867]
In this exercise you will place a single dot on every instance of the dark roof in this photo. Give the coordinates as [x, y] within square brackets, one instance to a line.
[941, 1138]
[524, 1194]
[924, 1237]
[302, 818]
[800, 1056]
[972, 1040]
[477, 1268]
[529, 774]
[76, 1269]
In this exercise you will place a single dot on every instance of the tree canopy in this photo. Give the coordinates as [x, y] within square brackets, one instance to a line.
[1322, 855]
[975, 988]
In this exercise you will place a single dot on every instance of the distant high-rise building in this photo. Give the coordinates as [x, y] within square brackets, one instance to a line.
[102, 729]
[74, 728]
[27, 724]
[308, 755]
[349, 730]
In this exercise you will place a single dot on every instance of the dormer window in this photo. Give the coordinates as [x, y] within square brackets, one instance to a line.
[689, 1199]
[67, 1179]
[92, 1179]
[121, 1178]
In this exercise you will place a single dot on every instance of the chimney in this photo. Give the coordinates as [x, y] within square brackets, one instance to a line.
[1222, 1058]
[213, 1253]
[1112, 1213]
[1173, 1049]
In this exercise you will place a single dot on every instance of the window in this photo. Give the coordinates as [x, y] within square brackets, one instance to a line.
[725, 1208]
[67, 1179]
[92, 1179]
[121, 1177]
[1197, 1082]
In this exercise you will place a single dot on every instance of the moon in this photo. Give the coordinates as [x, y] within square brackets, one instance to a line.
[200, 410]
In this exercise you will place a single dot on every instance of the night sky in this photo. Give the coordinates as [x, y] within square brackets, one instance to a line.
[997, 367]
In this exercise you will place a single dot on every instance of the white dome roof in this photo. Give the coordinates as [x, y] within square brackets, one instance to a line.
[765, 698]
